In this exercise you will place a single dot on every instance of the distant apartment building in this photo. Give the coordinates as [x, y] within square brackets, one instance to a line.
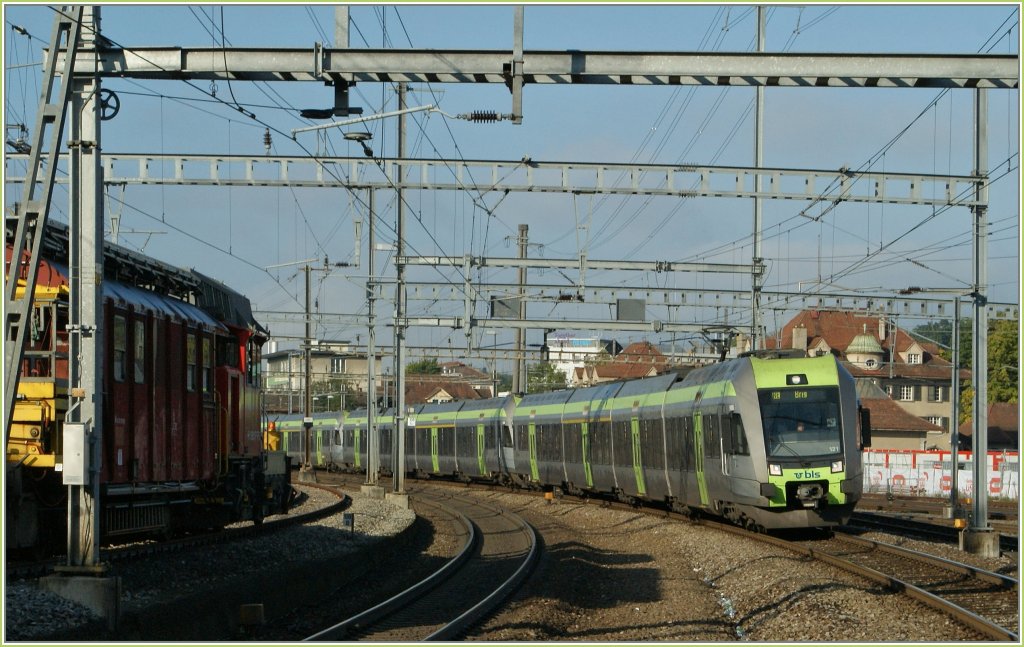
[338, 374]
[568, 351]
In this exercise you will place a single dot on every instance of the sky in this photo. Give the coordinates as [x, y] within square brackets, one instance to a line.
[236, 234]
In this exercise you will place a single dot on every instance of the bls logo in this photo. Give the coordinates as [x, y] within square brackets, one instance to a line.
[808, 474]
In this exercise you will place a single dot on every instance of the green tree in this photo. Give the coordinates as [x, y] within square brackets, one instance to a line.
[423, 367]
[543, 376]
[1003, 365]
[937, 332]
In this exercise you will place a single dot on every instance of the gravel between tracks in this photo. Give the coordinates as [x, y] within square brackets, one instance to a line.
[33, 613]
[606, 576]
[622, 576]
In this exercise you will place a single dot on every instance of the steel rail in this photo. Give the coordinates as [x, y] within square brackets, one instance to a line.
[972, 620]
[460, 624]
[341, 630]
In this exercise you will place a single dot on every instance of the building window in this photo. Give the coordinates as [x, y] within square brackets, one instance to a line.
[120, 347]
[890, 390]
[907, 393]
[337, 365]
[936, 420]
[935, 394]
[140, 352]
[913, 358]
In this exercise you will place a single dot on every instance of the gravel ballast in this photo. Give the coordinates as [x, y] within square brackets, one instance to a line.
[606, 575]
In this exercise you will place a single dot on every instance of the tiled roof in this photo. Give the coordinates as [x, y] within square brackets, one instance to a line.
[839, 329]
[886, 415]
[421, 390]
[1003, 422]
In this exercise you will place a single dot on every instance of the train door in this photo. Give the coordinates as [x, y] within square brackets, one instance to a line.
[508, 450]
[434, 462]
[698, 456]
[480, 436]
[638, 468]
[724, 444]
[355, 446]
[532, 439]
[585, 447]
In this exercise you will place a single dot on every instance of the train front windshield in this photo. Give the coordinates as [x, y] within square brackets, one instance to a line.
[801, 422]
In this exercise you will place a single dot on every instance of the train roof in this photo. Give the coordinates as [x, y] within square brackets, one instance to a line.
[144, 300]
[226, 304]
[131, 268]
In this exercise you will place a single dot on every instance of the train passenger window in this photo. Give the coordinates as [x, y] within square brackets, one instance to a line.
[120, 347]
[739, 434]
[207, 367]
[139, 359]
[190, 362]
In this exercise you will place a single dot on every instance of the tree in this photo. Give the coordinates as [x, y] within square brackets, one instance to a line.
[1003, 365]
[543, 376]
[423, 367]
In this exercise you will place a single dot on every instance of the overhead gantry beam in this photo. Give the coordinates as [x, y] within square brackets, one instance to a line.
[565, 67]
[530, 176]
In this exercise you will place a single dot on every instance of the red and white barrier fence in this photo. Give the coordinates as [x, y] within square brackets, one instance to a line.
[928, 473]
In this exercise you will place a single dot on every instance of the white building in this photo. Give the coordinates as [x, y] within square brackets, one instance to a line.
[569, 351]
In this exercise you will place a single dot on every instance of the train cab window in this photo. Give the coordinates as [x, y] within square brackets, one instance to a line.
[190, 362]
[506, 436]
[801, 422]
[139, 357]
[120, 347]
[734, 439]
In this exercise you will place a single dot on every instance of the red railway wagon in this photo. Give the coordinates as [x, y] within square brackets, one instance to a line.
[182, 437]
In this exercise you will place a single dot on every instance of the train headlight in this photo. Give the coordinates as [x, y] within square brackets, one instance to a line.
[837, 466]
[775, 470]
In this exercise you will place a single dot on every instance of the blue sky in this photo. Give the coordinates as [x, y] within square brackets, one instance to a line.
[235, 233]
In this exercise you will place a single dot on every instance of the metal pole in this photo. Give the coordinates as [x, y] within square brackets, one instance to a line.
[372, 462]
[519, 380]
[307, 422]
[954, 424]
[86, 317]
[755, 279]
[979, 520]
[399, 478]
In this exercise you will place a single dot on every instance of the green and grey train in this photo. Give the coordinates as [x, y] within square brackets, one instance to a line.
[765, 441]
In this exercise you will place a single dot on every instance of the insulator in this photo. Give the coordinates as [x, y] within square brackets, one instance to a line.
[266, 139]
[483, 115]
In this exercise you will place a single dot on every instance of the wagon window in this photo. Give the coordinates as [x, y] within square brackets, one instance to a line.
[120, 347]
[140, 352]
[207, 366]
[190, 363]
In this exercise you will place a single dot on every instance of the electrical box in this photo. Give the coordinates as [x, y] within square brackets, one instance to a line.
[76, 453]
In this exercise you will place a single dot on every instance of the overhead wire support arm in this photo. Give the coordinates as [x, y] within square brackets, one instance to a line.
[357, 120]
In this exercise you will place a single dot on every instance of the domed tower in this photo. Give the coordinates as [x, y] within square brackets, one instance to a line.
[865, 351]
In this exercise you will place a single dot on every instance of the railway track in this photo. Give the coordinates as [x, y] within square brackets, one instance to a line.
[922, 529]
[984, 601]
[134, 550]
[498, 552]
